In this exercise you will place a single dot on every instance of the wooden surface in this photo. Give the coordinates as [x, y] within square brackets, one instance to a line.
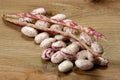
[20, 56]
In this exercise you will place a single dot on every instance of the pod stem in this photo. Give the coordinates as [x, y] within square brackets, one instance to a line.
[88, 30]
[17, 22]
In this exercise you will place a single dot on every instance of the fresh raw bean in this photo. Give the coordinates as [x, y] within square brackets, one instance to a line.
[46, 43]
[65, 66]
[29, 31]
[73, 48]
[91, 50]
[96, 47]
[40, 23]
[60, 37]
[57, 27]
[86, 38]
[72, 40]
[59, 16]
[67, 55]
[41, 36]
[47, 53]
[101, 61]
[70, 30]
[75, 41]
[38, 11]
[84, 54]
[57, 57]
[26, 19]
[84, 64]
[67, 20]
[58, 45]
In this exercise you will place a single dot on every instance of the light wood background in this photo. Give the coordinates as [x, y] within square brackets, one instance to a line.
[20, 56]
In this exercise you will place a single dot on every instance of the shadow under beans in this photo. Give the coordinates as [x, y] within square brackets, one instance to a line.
[26, 38]
[100, 67]
[96, 67]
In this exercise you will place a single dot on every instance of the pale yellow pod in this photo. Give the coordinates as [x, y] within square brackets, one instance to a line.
[29, 31]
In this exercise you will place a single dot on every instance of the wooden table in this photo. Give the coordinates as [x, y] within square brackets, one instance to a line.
[20, 56]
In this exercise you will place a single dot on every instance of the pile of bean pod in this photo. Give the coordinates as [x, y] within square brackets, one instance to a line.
[62, 50]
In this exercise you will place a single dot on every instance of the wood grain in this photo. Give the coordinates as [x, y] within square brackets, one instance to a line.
[20, 56]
